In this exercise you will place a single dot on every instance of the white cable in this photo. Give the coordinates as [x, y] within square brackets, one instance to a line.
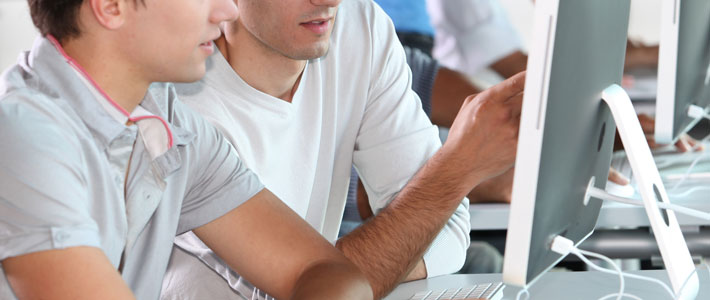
[684, 210]
[690, 168]
[580, 253]
[564, 246]
[697, 113]
[625, 295]
[624, 274]
[603, 195]
[525, 292]
[689, 191]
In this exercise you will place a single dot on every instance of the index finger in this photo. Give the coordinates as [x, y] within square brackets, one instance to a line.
[509, 87]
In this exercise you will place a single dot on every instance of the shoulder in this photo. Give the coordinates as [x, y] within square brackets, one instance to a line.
[363, 36]
[29, 111]
[362, 24]
[38, 133]
[361, 15]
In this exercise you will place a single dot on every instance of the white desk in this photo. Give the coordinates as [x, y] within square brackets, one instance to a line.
[612, 215]
[615, 215]
[557, 285]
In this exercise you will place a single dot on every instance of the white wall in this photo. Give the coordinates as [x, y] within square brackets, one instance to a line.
[17, 32]
[643, 22]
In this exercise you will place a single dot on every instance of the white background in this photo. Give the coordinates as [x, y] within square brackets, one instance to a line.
[17, 32]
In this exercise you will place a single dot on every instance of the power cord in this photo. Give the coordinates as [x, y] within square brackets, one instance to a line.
[697, 113]
[565, 246]
[525, 292]
[694, 163]
[604, 195]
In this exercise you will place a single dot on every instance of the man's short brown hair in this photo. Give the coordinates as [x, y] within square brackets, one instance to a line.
[59, 18]
[56, 17]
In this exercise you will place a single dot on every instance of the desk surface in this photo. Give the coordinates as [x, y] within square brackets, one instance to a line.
[557, 285]
[613, 215]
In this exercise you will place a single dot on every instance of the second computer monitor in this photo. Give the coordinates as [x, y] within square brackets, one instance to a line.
[683, 66]
[566, 131]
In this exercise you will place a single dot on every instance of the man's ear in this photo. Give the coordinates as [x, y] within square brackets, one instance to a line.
[110, 14]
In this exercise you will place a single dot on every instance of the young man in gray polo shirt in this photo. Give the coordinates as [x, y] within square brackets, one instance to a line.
[100, 168]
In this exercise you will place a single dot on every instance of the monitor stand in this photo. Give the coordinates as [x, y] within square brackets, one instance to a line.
[666, 229]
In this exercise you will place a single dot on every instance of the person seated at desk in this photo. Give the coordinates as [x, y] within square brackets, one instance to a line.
[101, 167]
[442, 89]
[466, 36]
[431, 81]
[306, 89]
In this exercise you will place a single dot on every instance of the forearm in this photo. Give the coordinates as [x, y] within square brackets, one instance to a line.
[332, 280]
[511, 64]
[495, 190]
[389, 246]
[72, 273]
[640, 56]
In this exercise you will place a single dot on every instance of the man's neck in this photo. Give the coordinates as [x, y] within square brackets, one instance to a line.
[259, 66]
[114, 74]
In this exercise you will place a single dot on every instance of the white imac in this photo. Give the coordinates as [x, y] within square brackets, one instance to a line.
[571, 108]
[683, 67]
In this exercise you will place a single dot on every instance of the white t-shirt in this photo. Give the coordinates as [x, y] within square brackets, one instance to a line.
[355, 106]
[471, 34]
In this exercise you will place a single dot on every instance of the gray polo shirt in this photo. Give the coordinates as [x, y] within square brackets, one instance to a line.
[62, 157]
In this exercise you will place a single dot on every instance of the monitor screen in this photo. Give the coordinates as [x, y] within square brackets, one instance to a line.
[566, 131]
[683, 66]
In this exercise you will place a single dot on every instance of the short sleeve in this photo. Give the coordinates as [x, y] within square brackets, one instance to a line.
[44, 202]
[219, 180]
[396, 139]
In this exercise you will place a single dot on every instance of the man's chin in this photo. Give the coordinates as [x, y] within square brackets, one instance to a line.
[188, 77]
[312, 53]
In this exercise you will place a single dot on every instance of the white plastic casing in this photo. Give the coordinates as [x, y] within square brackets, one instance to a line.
[666, 229]
[667, 65]
[532, 125]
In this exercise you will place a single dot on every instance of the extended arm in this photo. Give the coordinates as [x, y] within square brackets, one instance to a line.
[276, 250]
[481, 145]
[73, 273]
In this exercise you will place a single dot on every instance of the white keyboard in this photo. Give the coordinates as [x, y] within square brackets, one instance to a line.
[483, 291]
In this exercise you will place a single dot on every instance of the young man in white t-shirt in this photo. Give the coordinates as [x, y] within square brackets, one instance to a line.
[305, 89]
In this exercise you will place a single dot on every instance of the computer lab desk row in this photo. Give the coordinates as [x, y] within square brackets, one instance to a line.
[558, 285]
[491, 216]
[622, 230]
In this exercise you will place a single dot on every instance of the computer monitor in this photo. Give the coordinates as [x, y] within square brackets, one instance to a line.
[683, 66]
[566, 131]
[572, 105]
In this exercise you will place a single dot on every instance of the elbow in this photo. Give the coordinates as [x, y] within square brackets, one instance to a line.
[458, 261]
[332, 280]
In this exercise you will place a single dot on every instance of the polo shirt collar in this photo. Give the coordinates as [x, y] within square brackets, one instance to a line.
[61, 77]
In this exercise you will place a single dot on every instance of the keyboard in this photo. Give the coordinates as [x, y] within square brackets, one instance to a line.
[483, 291]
